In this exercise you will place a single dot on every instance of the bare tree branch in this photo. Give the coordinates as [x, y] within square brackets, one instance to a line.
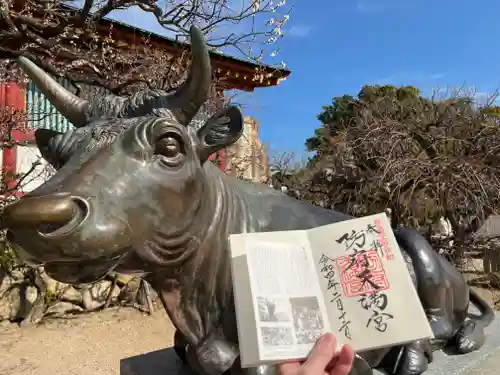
[70, 43]
[422, 158]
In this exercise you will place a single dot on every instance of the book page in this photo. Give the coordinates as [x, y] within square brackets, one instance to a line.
[288, 304]
[369, 295]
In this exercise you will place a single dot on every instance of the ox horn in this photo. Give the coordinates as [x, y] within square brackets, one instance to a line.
[71, 106]
[188, 98]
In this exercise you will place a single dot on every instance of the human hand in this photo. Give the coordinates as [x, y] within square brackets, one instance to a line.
[322, 360]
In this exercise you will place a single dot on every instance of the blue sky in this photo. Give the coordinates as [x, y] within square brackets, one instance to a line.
[336, 46]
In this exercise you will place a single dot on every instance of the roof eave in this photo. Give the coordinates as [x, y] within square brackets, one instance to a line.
[274, 72]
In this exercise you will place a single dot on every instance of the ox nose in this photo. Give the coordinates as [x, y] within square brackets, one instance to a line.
[53, 214]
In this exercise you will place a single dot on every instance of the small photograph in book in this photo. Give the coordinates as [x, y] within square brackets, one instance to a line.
[273, 309]
[307, 319]
[277, 336]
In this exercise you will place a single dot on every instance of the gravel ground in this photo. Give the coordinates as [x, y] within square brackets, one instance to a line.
[93, 344]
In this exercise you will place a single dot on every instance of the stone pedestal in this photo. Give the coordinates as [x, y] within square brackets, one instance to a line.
[481, 362]
[475, 363]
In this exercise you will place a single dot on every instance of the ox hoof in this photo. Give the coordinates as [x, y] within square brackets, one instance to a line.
[469, 338]
[413, 361]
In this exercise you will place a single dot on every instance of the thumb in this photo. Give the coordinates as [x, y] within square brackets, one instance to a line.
[321, 355]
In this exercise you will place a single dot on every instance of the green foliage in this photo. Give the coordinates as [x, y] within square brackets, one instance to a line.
[390, 147]
[50, 296]
[8, 259]
[492, 111]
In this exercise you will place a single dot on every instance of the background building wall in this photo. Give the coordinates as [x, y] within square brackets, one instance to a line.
[29, 160]
[247, 158]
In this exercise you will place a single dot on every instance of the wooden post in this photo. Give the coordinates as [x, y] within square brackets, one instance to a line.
[13, 97]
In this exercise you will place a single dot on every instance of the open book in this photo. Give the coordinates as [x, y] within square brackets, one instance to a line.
[348, 278]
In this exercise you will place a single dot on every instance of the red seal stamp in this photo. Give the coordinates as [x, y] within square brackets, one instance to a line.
[362, 273]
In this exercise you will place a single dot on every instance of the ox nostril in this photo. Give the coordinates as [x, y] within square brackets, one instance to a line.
[10, 236]
[80, 212]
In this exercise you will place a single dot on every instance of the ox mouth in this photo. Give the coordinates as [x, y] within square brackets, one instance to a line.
[81, 211]
[83, 272]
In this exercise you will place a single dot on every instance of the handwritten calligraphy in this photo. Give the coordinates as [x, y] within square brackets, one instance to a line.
[362, 272]
[328, 272]
[372, 237]
[376, 303]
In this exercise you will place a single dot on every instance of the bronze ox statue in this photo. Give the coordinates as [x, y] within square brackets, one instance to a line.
[134, 192]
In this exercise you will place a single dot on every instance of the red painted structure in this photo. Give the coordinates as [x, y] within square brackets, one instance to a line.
[12, 97]
[219, 158]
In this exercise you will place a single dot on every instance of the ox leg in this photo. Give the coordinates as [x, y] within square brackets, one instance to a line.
[432, 284]
[413, 359]
[180, 346]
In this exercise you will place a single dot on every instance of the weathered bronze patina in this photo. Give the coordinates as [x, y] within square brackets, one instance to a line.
[134, 192]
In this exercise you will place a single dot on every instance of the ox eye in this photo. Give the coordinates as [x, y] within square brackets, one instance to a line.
[169, 146]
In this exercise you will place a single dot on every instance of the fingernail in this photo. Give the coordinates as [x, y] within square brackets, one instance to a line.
[345, 348]
[326, 340]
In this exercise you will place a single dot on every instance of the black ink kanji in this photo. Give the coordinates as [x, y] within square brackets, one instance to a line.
[374, 300]
[372, 229]
[344, 328]
[328, 271]
[366, 276]
[361, 263]
[324, 259]
[355, 260]
[379, 319]
[355, 238]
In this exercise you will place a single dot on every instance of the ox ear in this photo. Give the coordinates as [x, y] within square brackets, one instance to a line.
[55, 147]
[220, 131]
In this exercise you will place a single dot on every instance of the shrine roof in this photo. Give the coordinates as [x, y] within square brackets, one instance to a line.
[235, 73]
